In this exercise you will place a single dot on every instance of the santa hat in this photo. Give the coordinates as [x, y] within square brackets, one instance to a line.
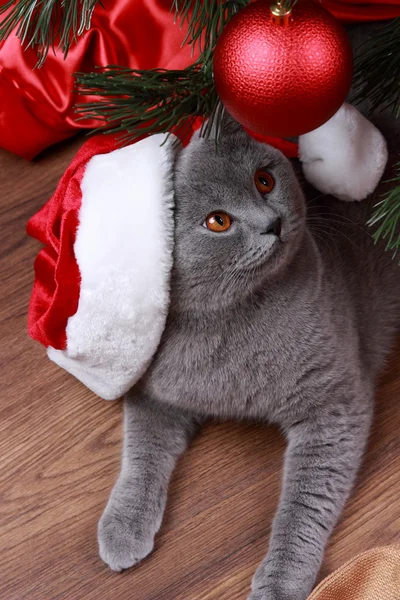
[101, 291]
[345, 157]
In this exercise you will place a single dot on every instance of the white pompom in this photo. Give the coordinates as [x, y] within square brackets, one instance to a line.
[345, 157]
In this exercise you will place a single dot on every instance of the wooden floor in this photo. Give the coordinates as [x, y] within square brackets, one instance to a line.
[60, 452]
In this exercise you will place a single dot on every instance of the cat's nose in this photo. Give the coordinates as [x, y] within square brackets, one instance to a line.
[274, 227]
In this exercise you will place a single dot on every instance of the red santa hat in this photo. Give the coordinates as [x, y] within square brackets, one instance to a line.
[345, 157]
[101, 291]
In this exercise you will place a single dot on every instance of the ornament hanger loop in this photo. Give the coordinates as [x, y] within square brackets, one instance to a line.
[281, 8]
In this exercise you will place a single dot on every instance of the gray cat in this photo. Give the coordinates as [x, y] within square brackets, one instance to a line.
[284, 314]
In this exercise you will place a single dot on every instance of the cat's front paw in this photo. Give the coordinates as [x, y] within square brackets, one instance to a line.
[120, 544]
[273, 593]
[276, 580]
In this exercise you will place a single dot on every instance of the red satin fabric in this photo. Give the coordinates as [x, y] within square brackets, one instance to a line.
[36, 105]
[55, 293]
[359, 11]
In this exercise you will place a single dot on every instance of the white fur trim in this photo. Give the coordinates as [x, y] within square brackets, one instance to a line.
[123, 248]
[345, 157]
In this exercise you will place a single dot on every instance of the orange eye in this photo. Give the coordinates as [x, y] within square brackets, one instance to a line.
[218, 221]
[264, 181]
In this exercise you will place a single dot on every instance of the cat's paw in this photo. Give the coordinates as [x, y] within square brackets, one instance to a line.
[270, 594]
[266, 595]
[277, 591]
[120, 545]
[275, 580]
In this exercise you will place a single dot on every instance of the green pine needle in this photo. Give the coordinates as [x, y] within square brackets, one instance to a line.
[45, 24]
[377, 69]
[387, 215]
[134, 102]
[206, 21]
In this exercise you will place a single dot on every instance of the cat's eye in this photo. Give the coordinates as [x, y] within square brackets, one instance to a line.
[217, 222]
[264, 181]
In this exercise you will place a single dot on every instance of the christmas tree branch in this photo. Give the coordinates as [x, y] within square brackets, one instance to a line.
[206, 21]
[377, 69]
[43, 24]
[387, 215]
[134, 102]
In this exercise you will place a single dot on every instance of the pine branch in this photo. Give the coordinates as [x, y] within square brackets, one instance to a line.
[134, 102]
[206, 21]
[45, 24]
[387, 215]
[377, 69]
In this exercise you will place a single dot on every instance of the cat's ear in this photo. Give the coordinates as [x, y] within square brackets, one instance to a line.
[229, 126]
[222, 124]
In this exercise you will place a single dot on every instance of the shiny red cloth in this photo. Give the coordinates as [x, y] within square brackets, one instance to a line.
[55, 293]
[36, 105]
[359, 11]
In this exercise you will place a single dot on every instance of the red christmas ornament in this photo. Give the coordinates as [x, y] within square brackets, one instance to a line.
[283, 75]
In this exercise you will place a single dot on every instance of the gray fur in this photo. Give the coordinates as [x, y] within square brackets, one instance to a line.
[291, 331]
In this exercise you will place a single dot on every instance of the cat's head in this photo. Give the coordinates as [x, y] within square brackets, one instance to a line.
[240, 216]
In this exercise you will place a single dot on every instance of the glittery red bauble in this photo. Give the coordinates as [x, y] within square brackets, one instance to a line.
[283, 76]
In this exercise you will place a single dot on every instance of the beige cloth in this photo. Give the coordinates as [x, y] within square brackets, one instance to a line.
[373, 575]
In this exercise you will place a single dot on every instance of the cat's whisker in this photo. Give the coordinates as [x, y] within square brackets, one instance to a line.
[295, 221]
[336, 224]
[338, 231]
[325, 215]
[354, 223]
[325, 236]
